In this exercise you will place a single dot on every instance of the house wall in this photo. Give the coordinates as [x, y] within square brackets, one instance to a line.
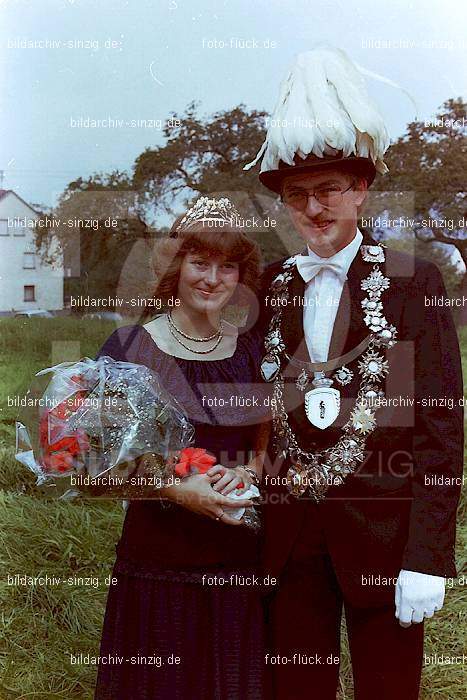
[47, 279]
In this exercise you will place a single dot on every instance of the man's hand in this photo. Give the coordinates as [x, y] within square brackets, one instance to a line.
[418, 596]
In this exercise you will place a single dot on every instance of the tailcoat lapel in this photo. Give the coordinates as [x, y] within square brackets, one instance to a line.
[292, 320]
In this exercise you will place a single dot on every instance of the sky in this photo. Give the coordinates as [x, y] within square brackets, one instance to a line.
[67, 61]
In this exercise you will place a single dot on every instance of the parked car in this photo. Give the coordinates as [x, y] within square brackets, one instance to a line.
[34, 313]
[104, 316]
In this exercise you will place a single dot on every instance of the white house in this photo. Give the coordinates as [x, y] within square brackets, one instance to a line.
[26, 283]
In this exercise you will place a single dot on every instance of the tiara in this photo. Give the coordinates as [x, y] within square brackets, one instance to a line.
[205, 210]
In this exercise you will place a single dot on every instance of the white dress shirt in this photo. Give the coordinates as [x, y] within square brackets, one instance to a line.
[321, 300]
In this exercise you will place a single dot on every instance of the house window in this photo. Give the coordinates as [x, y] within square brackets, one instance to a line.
[29, 261]
[4, 227]
[29, 292]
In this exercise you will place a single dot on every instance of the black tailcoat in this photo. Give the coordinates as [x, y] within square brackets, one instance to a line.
[399, 509]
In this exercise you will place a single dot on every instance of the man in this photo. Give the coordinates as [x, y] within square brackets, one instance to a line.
[364, 470]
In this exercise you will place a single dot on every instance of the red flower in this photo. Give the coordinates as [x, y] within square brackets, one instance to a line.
[60, 461]
[69, 444]
[194, 460]
[59, 455]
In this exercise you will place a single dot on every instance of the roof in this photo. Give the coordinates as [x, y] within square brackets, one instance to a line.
[3, 194]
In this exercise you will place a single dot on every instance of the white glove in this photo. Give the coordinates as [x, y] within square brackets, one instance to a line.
[418, 596]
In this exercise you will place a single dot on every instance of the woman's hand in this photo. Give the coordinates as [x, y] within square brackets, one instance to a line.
[226, 480]
[197, 494]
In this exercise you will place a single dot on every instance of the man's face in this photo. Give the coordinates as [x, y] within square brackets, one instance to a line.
[327, 225]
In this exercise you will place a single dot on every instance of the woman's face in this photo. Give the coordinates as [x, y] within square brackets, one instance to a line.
[206, 283]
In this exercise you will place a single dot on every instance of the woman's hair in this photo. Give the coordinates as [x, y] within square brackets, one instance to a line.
[225, 240]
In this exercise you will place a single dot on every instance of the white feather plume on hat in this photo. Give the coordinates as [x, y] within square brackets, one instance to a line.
[323, 108]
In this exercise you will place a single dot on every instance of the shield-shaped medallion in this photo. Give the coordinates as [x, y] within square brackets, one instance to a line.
[322, 406]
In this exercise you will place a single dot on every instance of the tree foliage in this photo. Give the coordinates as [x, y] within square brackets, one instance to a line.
[202, 156]
[99, 228]
[426, 180]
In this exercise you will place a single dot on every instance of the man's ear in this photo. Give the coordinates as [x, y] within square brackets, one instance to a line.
[361, 191]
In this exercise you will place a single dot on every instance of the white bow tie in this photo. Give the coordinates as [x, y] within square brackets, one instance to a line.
[309, 268]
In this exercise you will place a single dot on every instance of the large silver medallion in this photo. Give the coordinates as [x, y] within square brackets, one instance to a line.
[322, 404]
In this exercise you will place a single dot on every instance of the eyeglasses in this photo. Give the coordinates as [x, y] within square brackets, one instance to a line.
[328, 196]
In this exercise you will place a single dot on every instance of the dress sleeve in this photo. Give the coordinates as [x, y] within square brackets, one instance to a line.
[123, 345]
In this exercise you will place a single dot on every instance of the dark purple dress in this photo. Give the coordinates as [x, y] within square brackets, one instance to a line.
[165, 604]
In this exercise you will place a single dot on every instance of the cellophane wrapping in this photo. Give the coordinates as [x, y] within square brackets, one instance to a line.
[88, 423]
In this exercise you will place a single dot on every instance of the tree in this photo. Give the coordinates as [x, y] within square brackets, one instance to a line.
[437, 253]
[202, 156]
[85, 204]
[104, 239]
[426, 179]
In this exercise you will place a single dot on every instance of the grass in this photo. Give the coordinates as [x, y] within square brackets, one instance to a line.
[73, 542]
[42, 625]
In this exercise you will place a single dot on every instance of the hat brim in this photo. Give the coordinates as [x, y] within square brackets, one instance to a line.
[356, 165]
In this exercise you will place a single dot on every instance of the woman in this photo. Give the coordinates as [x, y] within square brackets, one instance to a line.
[182, 615]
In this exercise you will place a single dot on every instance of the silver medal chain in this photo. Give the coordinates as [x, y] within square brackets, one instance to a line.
[316, 471]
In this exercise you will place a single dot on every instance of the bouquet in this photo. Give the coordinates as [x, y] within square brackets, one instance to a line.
[108, 428]
[100, 425]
